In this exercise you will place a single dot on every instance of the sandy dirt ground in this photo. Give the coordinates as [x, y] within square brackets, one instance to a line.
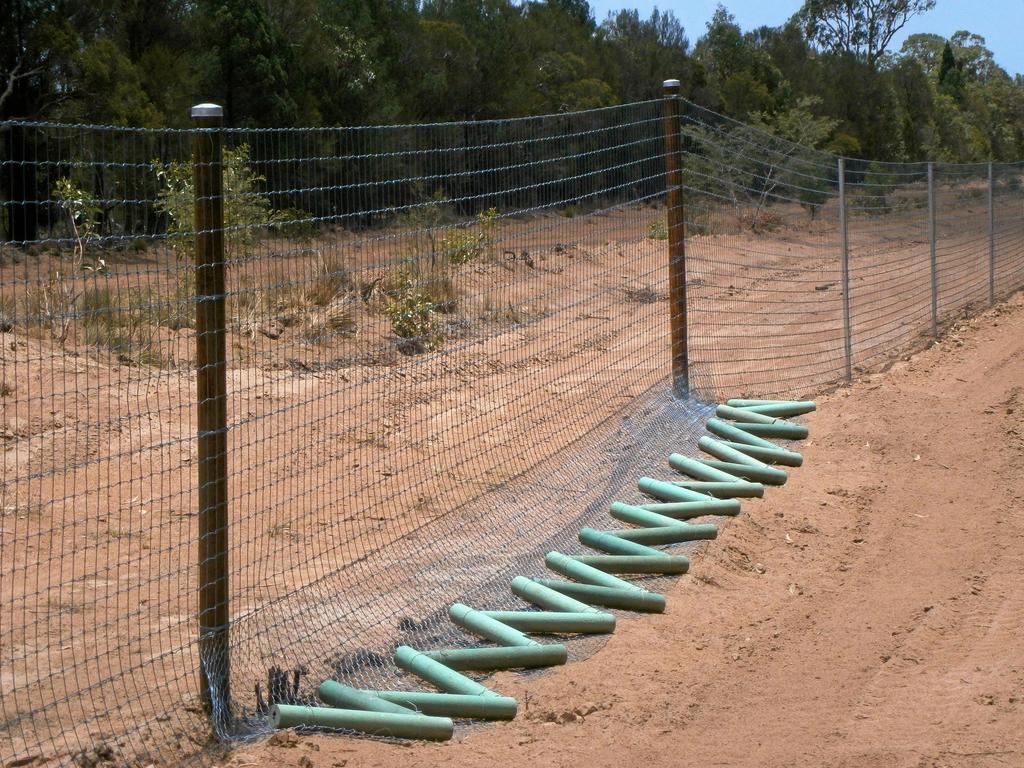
[869, 613]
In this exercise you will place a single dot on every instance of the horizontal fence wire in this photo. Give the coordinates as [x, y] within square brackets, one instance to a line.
[447, 349]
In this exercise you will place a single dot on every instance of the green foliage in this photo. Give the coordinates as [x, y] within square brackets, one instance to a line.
[82, 213]
[308, 62]
[657, 230]
[798, 123]
[461, 246]
[863, 28]
[414, 318]
[247, 213]
[878, 185]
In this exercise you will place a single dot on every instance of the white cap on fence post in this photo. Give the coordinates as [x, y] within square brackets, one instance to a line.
[671, 84]
[207, 110]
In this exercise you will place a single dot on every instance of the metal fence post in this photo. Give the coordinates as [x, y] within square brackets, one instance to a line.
[845, 264]
[676, 243]
[211, 407]
[931, 241]
[991, 236]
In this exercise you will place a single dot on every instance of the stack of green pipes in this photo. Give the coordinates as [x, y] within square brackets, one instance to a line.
[743, 462]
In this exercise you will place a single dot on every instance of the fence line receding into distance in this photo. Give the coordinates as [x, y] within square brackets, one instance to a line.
[444, 349]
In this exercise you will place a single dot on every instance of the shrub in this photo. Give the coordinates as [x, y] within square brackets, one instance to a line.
[657, 230]
[247, 213]
[462, 246]
[414, 319]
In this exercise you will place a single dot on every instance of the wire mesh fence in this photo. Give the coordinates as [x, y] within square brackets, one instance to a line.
[446, 348]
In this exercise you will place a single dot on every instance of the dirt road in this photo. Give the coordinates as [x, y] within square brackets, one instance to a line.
[870, 613]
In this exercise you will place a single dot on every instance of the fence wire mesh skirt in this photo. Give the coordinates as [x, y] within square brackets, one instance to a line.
[447, 348]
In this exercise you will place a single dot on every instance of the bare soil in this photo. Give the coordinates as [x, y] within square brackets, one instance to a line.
[344, 451]
[868, 614]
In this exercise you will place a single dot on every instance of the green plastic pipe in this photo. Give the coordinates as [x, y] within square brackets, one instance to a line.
[764, 474]
[437, 674]
[643, 517]
[684, 510]
[574, 569]
[743, 416]
[740, 402]
[483, 625]
[408, 726]
[768, 455]
[453, 704]
[606, 542]
[693, 496]
[659, 489]
[723, 452]
[670, 564]
[698, 470]
[779, 410]
[737, 490]
[502, 657]
[669, 534]
[557, 622]
[335, 694]
[533, 592]
[782, 429]
[732, 432]
[628, 599]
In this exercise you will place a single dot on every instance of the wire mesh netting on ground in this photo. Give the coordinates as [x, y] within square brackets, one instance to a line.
[447, 349]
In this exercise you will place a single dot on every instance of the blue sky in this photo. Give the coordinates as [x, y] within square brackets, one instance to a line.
[1000, 22]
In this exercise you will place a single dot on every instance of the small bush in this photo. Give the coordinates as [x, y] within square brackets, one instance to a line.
[414, 319]
[657, 230]
[462, 246]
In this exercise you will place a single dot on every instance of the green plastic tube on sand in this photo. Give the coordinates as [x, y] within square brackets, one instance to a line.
[437, 674]
[685, 510]
[698, 470]
[481, 624]
[627, 513]
[628, 599]
[737, 490]
[768, 455]
[732, 432]
[572, 568]
[501, 657]
[763, 474]
[781, 409]
[558, 622]
[743, 416]
[408, 726]
[723, 452]
[659, 489]
[533, 592]
[783, 430]
[669, 534]
[606, 542]
[662, 564]
[336, 694]
[453, 704]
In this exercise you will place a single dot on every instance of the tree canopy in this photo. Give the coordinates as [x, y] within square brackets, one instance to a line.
[327, 62]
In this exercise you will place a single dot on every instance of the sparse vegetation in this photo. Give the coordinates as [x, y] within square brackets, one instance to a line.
[414, 319]
[247, 213]
[128, 332]
[643, 295]
[657, 230]
[462, 246]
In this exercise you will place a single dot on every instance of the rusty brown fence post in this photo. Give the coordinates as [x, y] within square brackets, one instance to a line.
[676, 243]
[211, 407]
